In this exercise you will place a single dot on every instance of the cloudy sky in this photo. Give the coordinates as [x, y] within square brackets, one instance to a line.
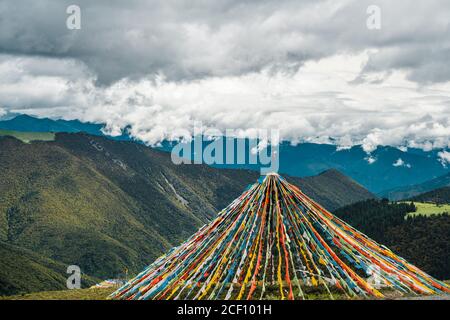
[311, 68]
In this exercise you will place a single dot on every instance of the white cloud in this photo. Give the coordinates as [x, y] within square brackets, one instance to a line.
[344, 143]
[316, 104]
[370, 159]
[444, 158]
[401, 163]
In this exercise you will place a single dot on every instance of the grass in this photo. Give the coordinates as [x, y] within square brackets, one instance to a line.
[428, 209]
[28, 137]
[103, 294]
[77, 294]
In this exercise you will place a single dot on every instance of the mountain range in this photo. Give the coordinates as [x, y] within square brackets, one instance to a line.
[107, 205]
[384, 171]
[408, 192]
[71, 195]
[439, 196]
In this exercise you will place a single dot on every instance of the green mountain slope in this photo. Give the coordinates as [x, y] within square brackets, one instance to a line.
[24, 271]
[107, 205]
[55, 203]
[332, 189]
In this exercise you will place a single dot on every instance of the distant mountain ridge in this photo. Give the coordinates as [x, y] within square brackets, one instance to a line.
[408, 192]
[390, 167]
[32, 124]
[105, 205]
[331, 189]
[438, 196]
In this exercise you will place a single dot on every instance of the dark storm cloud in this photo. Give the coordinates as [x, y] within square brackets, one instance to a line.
[193, 39]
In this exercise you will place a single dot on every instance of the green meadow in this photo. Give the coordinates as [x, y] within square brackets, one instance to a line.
[428, 209]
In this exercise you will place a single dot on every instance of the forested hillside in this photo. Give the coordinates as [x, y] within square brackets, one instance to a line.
[424, 241]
